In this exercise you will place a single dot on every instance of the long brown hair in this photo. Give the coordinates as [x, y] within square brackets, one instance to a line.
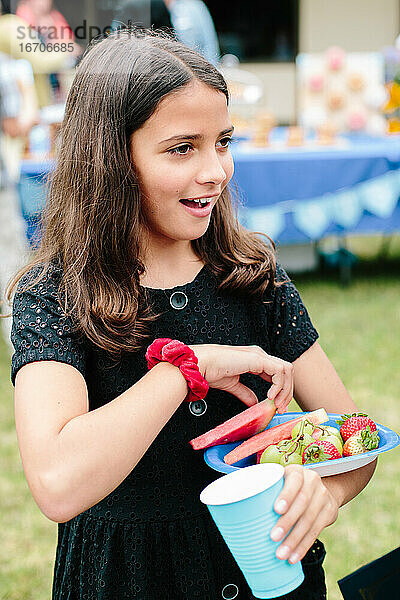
[93, 216]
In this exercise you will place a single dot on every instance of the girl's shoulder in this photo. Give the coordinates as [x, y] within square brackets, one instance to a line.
[41, 328]
[40, 287]
[280, 275]
[41, 278]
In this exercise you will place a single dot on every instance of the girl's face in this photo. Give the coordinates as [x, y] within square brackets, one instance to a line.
[181, 155]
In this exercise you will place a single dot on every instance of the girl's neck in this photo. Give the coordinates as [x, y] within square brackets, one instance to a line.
[170, 269]
[166, 278]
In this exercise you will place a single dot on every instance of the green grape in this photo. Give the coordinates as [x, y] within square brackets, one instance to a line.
[326, 433]
[305, 440]
[303, 426]
[333, 431]
[271, 454]
[284, 445]
[292, 458]
[333, 439]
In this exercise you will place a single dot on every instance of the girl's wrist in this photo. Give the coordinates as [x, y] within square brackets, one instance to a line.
[169, 370]
[335, 488]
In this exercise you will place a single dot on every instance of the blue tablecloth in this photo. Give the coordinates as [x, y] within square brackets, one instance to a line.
[32, 192]
[302, 194]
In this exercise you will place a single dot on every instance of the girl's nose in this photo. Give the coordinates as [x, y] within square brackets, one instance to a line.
[211, 170]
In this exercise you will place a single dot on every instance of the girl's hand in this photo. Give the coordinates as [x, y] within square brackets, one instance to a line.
[222, 365]
[307, 507]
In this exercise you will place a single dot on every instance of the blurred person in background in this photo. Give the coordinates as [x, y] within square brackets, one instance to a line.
[52, 28]
[194, 27]
[148, 13]
[190, 20]
[49, 24]
[17, 39]
[17, 116]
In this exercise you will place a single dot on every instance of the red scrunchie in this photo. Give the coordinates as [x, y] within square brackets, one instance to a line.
[180, 355]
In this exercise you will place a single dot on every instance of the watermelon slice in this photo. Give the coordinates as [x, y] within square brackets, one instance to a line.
[241, 426]
[272, 436]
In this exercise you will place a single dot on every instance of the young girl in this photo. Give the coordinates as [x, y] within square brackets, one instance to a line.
[140, 242]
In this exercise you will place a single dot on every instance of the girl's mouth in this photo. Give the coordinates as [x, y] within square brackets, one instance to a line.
[200, 207]
[200, 203]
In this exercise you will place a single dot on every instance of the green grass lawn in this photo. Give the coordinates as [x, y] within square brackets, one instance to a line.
[359, 327]
[27, 537]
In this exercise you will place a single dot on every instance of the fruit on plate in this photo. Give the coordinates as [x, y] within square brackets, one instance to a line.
[286, 452]
[305, 440]
[285, 445]
[333, 439]
[320, 450]
[291, 458]
[271, 454]
[321, 431]
[304, 426]
[350, 424]
[302, 432]
[361, 441]
[271, 436]
[241, 426]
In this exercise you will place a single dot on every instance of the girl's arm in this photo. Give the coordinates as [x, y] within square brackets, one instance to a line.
[310, 503]
[73, 458]
[316, 384]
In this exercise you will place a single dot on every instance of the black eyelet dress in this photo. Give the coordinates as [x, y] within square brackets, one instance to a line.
[152, 538]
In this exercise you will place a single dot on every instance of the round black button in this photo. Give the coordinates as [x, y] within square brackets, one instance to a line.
[178, 300]
[198, 407]
[230, 591]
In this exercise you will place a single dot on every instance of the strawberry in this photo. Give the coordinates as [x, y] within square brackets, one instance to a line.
[320, 450]
[361, 441]
[350, 424]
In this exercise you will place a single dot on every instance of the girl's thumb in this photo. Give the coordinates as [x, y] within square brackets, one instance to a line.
[245, 394]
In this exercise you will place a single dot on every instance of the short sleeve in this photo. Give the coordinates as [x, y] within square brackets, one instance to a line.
[40, 329]
[290, 329]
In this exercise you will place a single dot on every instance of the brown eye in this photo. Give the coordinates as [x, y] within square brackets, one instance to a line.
[181, 150]
[225, 142]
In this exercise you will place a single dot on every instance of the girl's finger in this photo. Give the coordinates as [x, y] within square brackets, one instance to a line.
[283, 401]
[327, 514]
[279, 373]
[300, 550]
[245, 394]
[293, 524]
[304, 515]
[294, 480]
[282, 393]
[278, 380]
[283, 398]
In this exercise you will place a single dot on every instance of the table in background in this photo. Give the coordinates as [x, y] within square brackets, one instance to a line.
[301, 194]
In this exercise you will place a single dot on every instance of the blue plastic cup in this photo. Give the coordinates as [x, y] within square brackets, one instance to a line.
[241, 504]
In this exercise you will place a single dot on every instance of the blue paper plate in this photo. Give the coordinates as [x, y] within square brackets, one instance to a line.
[388, 440]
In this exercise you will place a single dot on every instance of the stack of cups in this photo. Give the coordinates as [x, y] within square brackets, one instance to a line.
[241, 504]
